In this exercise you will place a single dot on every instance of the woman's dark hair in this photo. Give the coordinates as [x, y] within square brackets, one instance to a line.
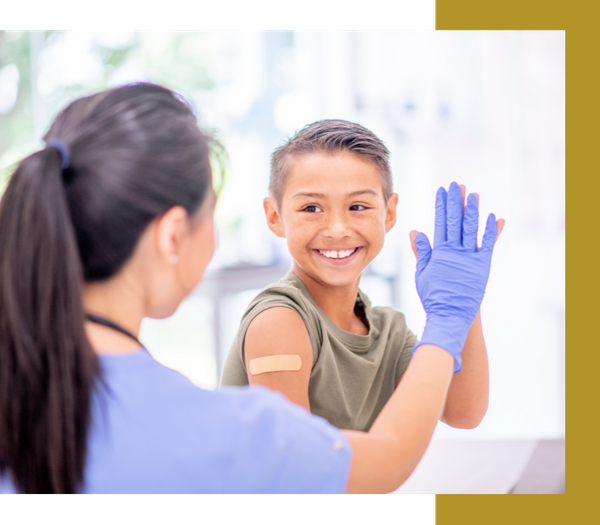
[135, 152]
[330, 136]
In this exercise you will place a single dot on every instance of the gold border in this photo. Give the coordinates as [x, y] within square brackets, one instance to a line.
[576, 19]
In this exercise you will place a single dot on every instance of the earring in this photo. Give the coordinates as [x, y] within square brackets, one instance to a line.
[173, 259]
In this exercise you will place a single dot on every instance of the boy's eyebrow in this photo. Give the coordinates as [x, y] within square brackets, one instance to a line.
[361, 192]
[320, 195]
[308, 194]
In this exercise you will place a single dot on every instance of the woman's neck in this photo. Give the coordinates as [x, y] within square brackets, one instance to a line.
[119, 301]
[338, 302]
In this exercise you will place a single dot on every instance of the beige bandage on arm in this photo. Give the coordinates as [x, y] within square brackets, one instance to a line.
[274, 363]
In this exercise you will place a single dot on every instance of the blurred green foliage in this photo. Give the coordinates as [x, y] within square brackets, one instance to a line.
[179, 60]
[17, 123]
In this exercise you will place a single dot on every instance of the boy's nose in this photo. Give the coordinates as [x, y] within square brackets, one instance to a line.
[337, 227]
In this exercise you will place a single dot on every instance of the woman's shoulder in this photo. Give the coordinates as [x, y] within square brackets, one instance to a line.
[139, 384]
[315, 454]
[235, 439]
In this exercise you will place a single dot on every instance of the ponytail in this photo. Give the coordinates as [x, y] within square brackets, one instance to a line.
[47, 367]
[73, 213]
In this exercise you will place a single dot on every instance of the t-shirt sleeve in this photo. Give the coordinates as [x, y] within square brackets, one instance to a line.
[282, 448]
[234, 371]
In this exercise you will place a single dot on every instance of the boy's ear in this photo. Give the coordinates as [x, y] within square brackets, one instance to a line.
[390, 214]
[273, 217]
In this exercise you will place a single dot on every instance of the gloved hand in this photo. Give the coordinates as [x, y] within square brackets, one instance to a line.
[451, 278]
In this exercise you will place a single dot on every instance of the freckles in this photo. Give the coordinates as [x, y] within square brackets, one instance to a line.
[374, 224]
[303, 231]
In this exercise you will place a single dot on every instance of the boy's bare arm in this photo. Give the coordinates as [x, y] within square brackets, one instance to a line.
[468, 394]
[280, 331]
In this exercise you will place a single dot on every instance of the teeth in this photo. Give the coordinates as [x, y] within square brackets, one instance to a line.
[342, 254]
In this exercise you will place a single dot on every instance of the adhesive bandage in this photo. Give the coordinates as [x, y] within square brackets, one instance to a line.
[274, 363]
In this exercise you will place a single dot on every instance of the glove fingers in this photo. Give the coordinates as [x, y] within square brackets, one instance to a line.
[470, 224]
[439, 234]
[423, 252]
[454, 214]
[489, 237]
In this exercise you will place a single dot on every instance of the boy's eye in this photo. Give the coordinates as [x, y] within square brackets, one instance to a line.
[312, 208]
[357, 207]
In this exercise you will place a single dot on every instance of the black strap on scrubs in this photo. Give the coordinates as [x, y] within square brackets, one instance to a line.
[105, 322]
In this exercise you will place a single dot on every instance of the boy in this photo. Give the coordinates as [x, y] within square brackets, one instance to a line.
[314, 335]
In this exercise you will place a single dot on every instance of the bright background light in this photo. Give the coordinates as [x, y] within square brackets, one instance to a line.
[485, 109]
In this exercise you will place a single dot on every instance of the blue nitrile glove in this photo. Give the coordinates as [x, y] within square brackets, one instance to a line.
[451, 278]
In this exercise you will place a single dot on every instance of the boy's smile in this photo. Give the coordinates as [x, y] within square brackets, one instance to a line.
[334, 216]
[341, 255]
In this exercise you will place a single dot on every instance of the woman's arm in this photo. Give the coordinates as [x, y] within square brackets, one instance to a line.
[280, 331]
[386, 456]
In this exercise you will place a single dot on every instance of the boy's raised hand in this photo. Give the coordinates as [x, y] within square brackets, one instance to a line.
[451, 278]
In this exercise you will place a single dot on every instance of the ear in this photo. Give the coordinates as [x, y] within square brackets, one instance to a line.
[390, 214]
[170, 230]
[273, 218]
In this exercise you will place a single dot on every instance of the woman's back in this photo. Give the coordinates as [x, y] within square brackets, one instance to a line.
[155, 432]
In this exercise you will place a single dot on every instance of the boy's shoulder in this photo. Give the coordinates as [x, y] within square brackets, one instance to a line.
[289, 292]
[388, 329]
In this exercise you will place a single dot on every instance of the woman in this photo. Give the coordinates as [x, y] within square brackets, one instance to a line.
[113, 222]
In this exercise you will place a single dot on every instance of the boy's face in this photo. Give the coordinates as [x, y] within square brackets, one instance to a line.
[333, 215]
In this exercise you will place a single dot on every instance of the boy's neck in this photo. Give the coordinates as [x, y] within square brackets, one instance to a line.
[338, 302]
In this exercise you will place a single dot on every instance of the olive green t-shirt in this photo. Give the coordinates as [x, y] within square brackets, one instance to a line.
[352, 375]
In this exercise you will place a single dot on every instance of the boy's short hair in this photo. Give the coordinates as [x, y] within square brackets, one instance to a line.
[330, 136]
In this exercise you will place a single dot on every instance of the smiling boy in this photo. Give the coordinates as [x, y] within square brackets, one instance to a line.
[314, 336]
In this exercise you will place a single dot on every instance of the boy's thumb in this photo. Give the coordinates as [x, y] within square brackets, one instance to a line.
[413, 235]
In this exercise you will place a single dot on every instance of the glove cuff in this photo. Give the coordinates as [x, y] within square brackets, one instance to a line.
[449, 333]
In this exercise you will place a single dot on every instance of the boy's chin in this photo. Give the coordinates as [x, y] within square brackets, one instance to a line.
[341, 282]
[331, 278]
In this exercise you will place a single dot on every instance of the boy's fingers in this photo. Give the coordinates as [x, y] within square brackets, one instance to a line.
[499, 226]
[439, 234]
[413, 242]
[463, 191]
[454, 214]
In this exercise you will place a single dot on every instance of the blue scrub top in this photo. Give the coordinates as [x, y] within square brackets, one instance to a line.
[153, 431]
